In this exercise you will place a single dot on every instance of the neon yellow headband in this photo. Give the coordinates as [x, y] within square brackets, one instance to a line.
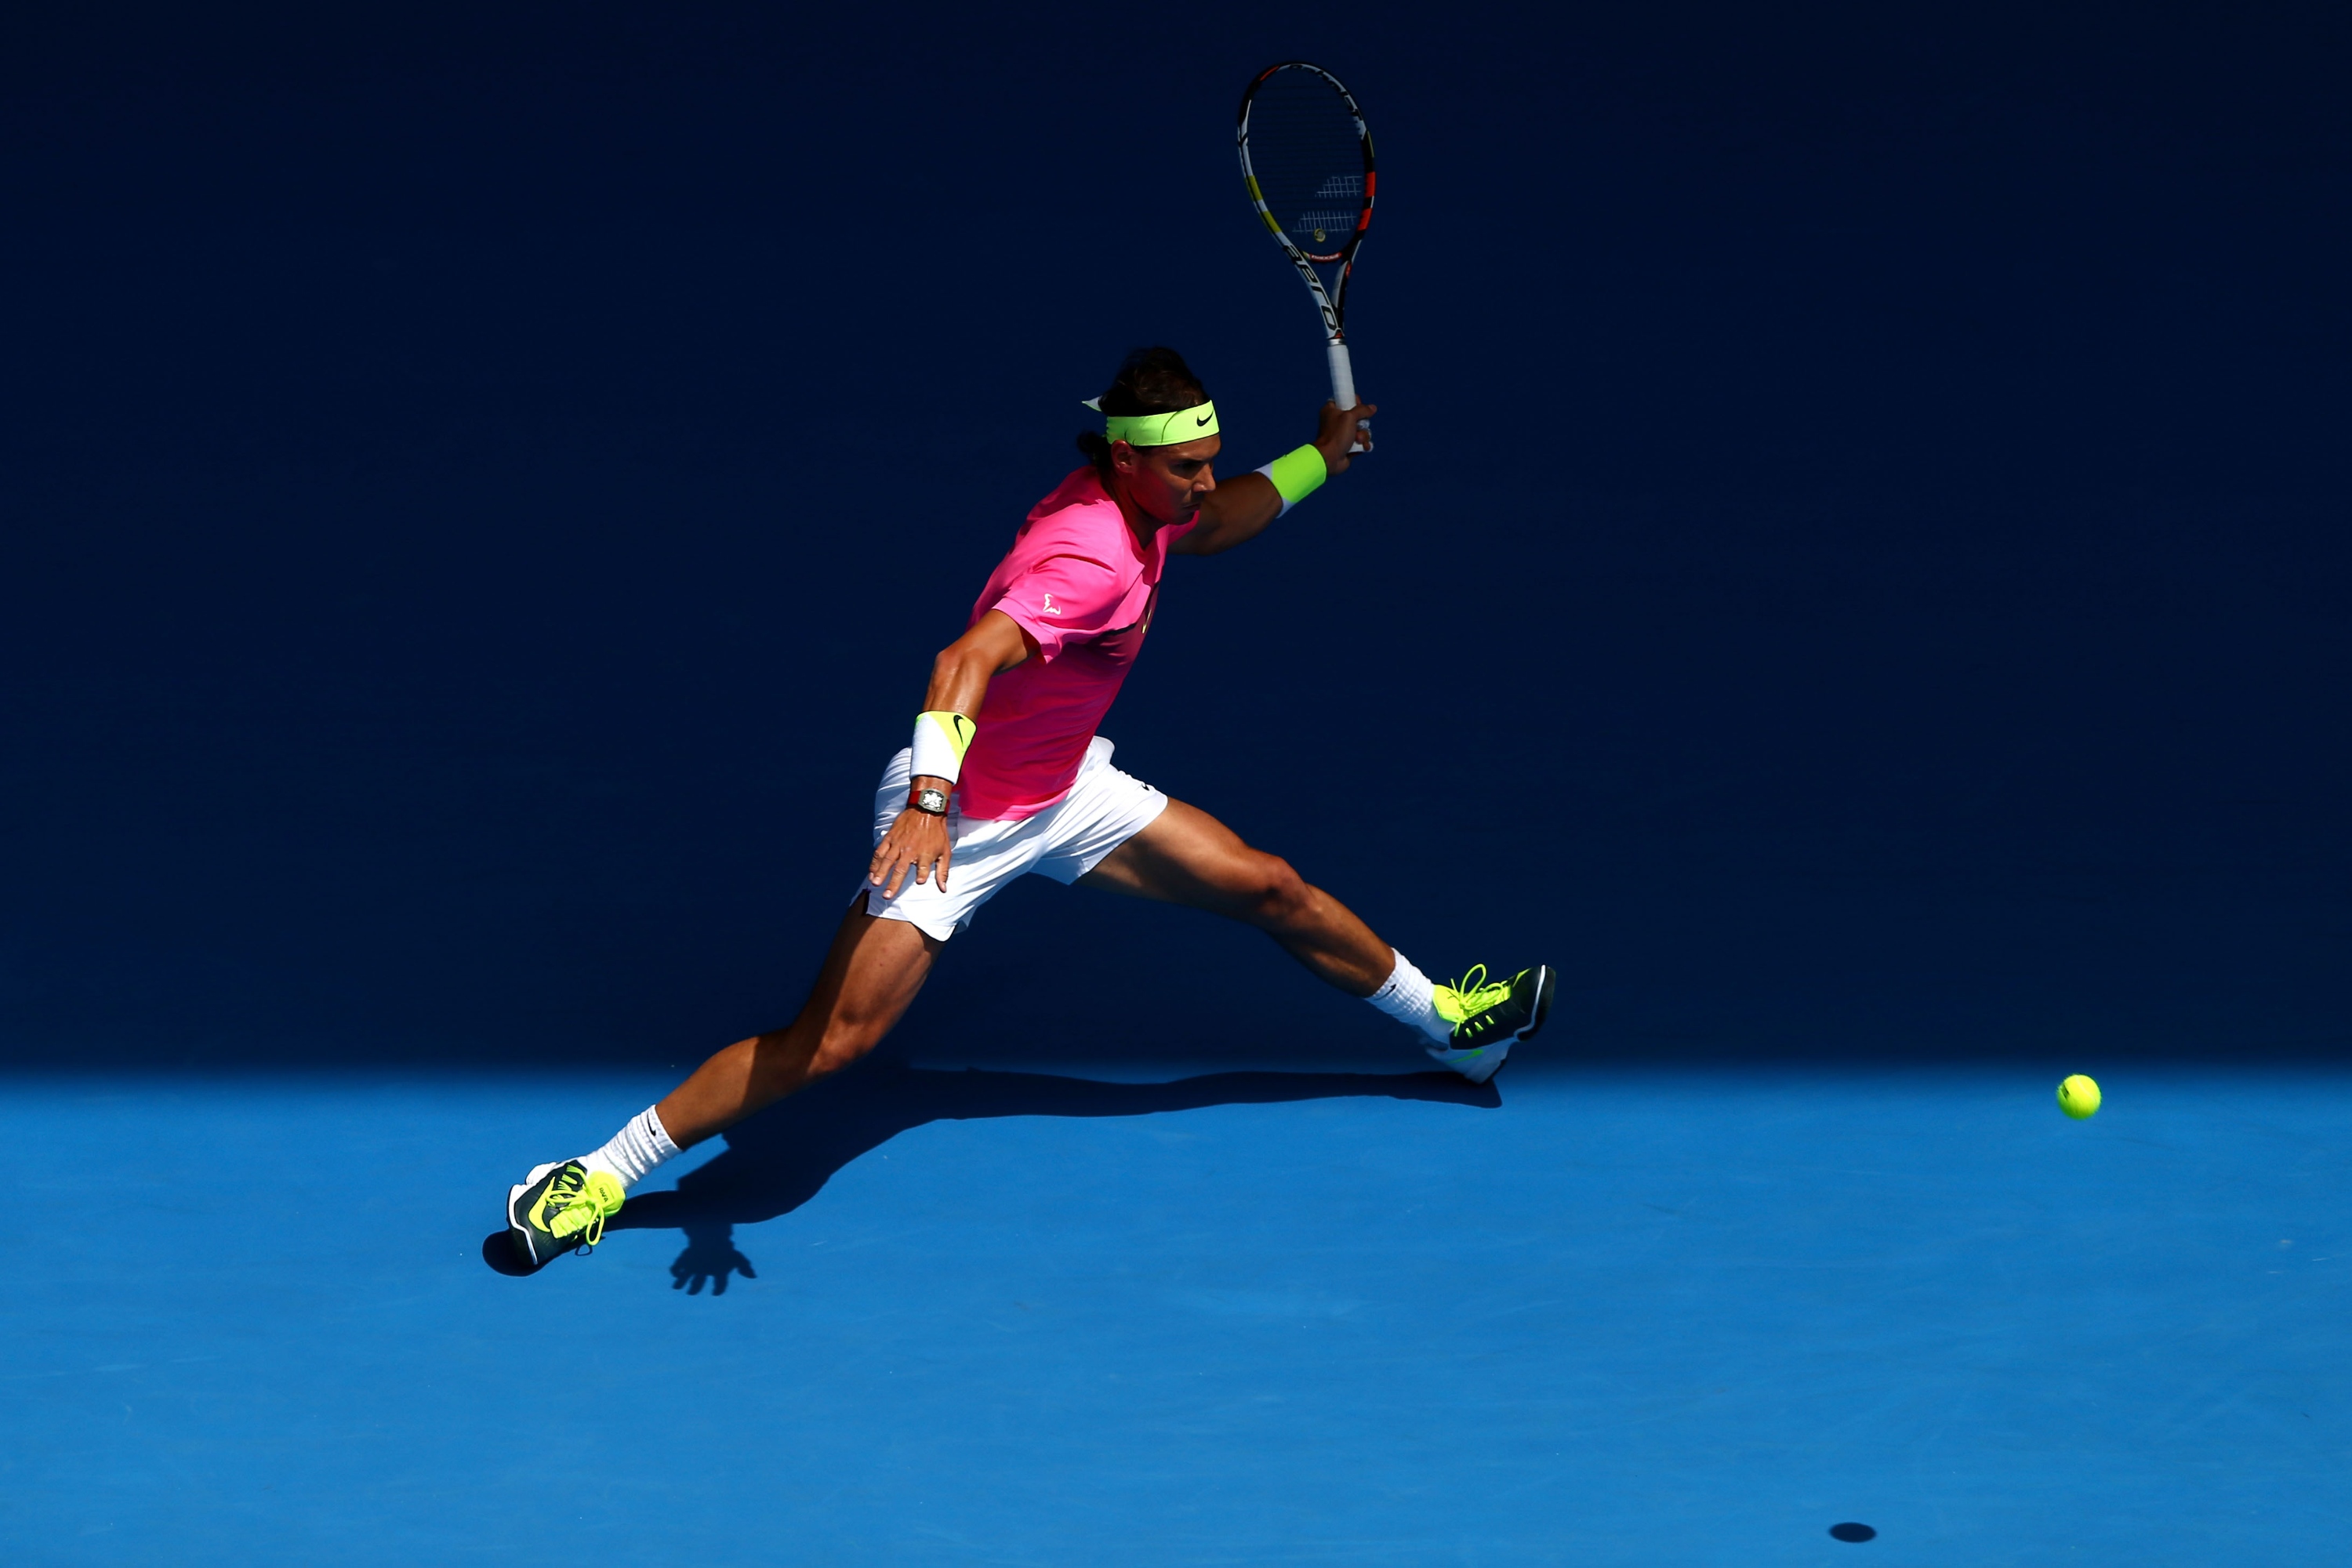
[1159, 429]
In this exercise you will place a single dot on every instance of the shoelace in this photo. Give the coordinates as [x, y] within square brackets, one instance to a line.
[1477, 995]
[573, 1198]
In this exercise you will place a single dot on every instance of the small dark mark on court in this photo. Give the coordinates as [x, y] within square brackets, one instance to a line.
[1851, 1531]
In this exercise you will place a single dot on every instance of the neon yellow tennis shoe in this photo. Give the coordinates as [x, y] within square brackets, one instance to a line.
[560, 1208]
[1489, 1017]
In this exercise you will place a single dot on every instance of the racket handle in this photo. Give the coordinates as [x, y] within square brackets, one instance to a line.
[1343, 380]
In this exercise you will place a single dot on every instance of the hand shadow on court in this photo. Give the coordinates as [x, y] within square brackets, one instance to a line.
[780, 1159]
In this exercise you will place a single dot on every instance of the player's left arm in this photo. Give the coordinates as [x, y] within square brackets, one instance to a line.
[1238, 509]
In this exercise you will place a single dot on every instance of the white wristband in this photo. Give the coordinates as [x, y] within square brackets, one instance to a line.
[940, 741]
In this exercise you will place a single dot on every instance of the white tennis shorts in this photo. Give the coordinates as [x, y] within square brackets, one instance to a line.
[1103, 809]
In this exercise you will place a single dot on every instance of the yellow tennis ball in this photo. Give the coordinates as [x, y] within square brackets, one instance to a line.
[2078, 1096]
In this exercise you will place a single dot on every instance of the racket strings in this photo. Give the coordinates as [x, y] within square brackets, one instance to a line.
[1308, 157]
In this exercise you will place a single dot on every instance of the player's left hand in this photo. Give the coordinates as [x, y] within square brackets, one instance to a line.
[1339, 428]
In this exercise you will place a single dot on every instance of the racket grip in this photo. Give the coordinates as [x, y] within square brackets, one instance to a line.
[1343, 380]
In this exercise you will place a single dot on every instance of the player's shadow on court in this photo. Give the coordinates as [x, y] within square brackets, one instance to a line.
[779, 1160]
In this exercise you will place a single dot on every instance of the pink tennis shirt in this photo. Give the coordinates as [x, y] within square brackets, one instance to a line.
[1078, 581]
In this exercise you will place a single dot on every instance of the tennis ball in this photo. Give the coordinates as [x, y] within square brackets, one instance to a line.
[2078, 1096]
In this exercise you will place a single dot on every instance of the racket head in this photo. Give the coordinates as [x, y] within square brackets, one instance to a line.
[1306, 157]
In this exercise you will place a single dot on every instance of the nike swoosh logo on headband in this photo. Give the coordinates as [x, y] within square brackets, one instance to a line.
[1203, 420]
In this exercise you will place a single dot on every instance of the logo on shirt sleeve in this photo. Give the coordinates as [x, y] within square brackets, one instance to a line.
[1049, 607]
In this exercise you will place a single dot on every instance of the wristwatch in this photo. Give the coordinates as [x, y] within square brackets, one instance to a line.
[932, 801]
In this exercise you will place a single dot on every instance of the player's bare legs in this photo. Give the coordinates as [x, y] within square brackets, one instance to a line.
[869, 977]
[1187, 857]
[871, 973]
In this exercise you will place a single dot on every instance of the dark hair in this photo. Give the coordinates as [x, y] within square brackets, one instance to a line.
[1149, 381]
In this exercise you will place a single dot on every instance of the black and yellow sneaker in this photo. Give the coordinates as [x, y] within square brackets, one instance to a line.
[560, 1208]
[1488, 1018]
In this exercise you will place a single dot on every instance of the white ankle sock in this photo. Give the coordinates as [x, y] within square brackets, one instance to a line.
[1405, 997]
[635, 1150]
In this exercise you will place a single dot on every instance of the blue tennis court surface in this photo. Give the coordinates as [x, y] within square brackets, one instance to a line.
[943, 1316]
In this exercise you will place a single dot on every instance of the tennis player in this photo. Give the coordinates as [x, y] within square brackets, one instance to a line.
[1006, 776]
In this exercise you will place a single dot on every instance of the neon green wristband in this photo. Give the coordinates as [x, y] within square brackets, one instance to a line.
[1297, 475]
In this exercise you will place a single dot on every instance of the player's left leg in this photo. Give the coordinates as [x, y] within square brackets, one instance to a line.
[1187, 857]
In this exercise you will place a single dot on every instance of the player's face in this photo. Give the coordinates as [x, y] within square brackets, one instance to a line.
[1167, 483]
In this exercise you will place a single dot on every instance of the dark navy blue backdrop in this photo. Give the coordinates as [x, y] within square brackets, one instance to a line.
[478, 497]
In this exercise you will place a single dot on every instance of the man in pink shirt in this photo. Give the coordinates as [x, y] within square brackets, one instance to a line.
[1006, 776]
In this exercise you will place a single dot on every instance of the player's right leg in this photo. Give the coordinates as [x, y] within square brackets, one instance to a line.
[869, 978]
[879, 959]
[872, 974]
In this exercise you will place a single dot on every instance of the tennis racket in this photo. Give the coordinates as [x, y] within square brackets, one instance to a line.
[1306, 157]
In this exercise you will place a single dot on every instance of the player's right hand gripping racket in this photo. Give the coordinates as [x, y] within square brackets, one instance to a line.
[1308, 160]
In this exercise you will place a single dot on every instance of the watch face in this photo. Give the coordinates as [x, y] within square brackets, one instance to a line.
[931, 800]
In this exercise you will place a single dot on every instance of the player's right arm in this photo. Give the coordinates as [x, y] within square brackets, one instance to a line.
[917, 841]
